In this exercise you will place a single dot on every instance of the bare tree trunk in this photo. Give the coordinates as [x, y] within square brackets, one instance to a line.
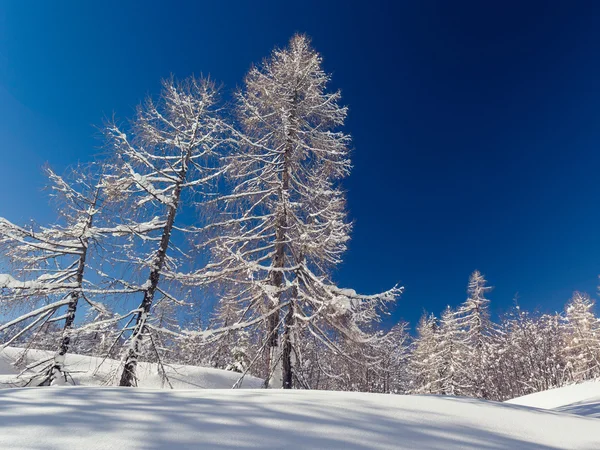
[277, 281]
[287, 348]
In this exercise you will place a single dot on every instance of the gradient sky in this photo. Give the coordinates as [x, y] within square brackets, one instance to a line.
[476, 125]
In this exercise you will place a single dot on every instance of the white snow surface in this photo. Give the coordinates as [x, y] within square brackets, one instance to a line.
[94, 417]
[92, 371]
[581, 399]
[128, 418]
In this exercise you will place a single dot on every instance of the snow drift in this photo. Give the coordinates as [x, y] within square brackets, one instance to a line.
[581, 399]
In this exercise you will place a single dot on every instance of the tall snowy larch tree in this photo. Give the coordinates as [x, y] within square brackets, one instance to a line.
[169, 153]
[286, 223]
[581, 333]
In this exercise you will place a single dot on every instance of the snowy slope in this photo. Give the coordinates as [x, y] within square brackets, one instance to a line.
[581, 399]
[91, 371]
[115, 418]
[93, 417]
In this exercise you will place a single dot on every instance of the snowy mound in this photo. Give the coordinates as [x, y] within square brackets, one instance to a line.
[92, 371]
[581, 399]
[110, 418]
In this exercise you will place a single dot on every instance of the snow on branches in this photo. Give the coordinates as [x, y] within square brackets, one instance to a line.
[286, 224]
[168, 152]
[52, 262]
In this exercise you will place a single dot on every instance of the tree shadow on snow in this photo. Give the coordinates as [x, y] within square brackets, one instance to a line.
[135, 418]
[587, 409]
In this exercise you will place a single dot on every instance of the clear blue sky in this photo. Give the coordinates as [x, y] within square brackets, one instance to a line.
[476, 125]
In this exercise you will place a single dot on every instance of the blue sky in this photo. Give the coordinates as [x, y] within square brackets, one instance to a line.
[476, 125]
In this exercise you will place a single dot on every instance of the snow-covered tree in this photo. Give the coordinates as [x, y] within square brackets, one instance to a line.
[286, 224]
[581, 332]
[548, 367]
[394, 372]
[50, 264]
[166, 157]
[525, 355]
[380, 366]
[425, 361]
[474, 322]
[507, 368]
[451, 351]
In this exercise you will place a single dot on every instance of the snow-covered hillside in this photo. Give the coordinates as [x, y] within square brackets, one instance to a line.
[91, 371]
[93, 417]
[581, 399]
[103, 418]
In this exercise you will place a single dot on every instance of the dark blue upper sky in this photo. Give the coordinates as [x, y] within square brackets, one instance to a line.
[476, 125]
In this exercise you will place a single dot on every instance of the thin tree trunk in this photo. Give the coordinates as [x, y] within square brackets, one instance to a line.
[57, 368]
[277, 281]
[287, 348]
[128, 377]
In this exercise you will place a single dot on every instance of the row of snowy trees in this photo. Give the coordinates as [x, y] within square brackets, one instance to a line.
[464, 353]
[238, 205]
[461, 353]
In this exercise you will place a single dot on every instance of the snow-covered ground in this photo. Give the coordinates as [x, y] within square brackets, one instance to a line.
[581, 399]
[91, 371]
[128, 418]
[94, 417]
